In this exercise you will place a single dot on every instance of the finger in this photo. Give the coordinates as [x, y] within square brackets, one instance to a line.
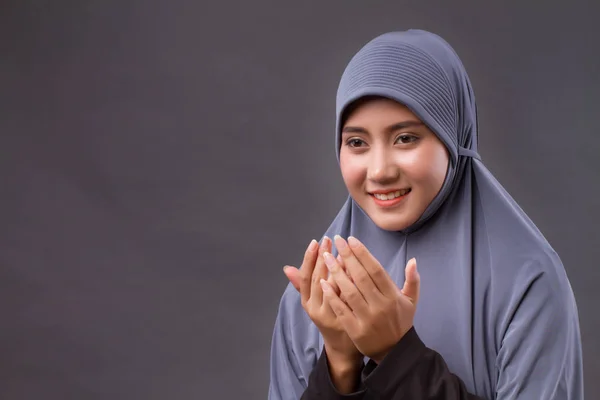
[352, 295]
[335, 287]
[378, 274]
[306, 270]
[340, 309]
[333, 284]
[330, 279]
[340, 261]
[293, 274]
[326, 311]
[412, 281]
[361, 277]
[320, 272]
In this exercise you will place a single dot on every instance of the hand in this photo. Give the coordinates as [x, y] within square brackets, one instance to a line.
[376, 314]
[306, 280]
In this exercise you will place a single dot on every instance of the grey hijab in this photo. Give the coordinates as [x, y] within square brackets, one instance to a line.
[495, 299]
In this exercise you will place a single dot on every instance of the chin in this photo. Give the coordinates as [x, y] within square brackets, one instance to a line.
[388, 223]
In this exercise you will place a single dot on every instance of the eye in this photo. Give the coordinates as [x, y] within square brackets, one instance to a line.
[354, 142]
[406, 139]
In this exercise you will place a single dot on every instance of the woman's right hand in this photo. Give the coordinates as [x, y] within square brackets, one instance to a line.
[343, 356]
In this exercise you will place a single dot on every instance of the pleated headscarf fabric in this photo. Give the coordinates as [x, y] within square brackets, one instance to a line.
[495, 300]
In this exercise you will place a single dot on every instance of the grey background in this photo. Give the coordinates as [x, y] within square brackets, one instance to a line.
[162, 160]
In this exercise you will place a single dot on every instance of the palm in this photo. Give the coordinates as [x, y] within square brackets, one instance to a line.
[307, 281]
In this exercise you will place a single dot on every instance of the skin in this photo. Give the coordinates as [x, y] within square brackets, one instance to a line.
[357, 307]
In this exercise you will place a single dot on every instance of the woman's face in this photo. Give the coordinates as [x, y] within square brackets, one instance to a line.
[391, 163]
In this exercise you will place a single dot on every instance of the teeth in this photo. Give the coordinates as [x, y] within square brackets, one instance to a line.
[391, 195]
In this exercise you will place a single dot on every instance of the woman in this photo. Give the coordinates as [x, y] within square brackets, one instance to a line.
[442, 285]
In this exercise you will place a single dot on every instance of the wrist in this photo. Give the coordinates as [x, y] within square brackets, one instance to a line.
[344, 370]
[344, 360]
[345, 376]
[378, 358]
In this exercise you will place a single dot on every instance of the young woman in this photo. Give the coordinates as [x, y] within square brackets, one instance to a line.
[439, 285]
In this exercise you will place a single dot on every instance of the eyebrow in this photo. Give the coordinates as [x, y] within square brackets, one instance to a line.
[394, 127]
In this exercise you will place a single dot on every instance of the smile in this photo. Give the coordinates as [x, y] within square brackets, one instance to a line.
[390, 199]
[391, 195]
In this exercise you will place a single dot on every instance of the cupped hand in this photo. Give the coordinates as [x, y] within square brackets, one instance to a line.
[375, 313]
[306, 280]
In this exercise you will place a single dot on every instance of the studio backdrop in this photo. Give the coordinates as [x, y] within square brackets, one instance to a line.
[162, 160]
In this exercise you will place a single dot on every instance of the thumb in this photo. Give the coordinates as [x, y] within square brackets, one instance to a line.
[293, 274]
[412, 281]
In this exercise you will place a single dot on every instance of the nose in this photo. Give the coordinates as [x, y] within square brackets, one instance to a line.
[382, 168]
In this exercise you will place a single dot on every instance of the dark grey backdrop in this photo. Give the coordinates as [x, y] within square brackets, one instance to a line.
[162, 160]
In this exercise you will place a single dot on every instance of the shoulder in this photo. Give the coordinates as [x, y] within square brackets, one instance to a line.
[540, 293]
[543, 268]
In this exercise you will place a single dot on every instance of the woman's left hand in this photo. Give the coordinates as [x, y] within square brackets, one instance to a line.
[376, 314]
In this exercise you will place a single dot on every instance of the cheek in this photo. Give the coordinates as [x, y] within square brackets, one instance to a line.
[442, 159]
[427, 167]
[438, 168]
[353, 170]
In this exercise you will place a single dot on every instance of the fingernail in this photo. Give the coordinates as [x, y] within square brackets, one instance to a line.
[339, 242]
[325, 241]
[285, 267]
[353, 242]
[313, 245]
[324, 285]
[329, 260]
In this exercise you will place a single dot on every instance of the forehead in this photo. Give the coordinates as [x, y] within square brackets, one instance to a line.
[374, 110]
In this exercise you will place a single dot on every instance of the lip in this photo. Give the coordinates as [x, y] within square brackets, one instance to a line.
[388, 203]
[385, 191]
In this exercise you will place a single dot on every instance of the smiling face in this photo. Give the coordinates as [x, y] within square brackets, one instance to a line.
[391, 163]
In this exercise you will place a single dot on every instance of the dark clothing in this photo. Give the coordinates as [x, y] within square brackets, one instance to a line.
[410, 371]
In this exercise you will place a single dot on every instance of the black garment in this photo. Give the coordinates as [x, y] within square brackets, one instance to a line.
[410, 371]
